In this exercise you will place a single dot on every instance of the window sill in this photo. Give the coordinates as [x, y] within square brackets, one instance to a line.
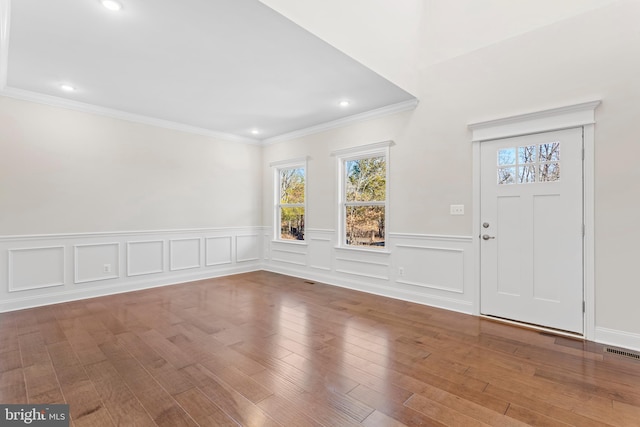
[357, 249]
[291, 242]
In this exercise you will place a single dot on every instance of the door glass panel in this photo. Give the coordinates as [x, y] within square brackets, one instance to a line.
[527, 154]
[507, 175]
[526, 174]
[549, 172]
[507, 156]
[550, 152]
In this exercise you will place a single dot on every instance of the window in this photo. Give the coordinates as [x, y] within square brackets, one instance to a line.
[290, 196]
[533, 163]
[363, 192]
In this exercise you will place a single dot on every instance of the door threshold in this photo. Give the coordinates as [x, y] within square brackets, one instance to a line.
[552, 331]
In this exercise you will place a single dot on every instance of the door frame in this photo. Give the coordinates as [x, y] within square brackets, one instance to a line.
[572, 116]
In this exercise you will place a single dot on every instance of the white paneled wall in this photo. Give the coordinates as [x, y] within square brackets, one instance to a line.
[185, 253]
[432, 270]
[96, 261]
[50, 271]
[248, 248]
[39, 270]
[219, 250]
[145, 257]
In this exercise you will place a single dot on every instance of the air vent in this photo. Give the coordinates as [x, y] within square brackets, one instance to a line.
[624, 353]
[309, 282]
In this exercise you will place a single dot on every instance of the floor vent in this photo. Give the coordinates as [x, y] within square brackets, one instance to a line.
[624, 353]
[309, 282]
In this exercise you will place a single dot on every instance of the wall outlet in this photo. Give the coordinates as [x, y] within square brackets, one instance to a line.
[456, 209]
[107, 268]
[401, 271]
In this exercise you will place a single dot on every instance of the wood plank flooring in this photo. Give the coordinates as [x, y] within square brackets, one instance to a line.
[262, 349]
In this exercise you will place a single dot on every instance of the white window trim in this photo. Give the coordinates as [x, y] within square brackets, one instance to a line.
[300, 162]
[377, 149]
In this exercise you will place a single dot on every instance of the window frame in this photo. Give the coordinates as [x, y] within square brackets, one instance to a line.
[300, 163]
[380, 149]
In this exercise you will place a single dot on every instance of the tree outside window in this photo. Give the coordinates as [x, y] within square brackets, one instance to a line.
[364, 201]
[291, 203]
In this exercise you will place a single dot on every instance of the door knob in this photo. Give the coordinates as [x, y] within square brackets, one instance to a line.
[487, 237]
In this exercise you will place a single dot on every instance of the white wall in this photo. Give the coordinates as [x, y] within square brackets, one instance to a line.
[64, 171]
[68, 172]
[577, 55]
[91, 205]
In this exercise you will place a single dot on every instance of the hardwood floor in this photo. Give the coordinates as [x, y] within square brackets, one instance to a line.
[262, 349]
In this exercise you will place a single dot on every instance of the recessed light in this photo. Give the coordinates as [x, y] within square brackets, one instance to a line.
[255, 131]
[345, 103]
[112, 5]
[67, 88]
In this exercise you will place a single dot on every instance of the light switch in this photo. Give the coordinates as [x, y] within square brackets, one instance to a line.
[457, 209]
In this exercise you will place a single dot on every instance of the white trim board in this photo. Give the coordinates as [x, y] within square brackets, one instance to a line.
[580, 115]
[570, 116]
[5, 24]
[617, 338]
[446, 303]
[81, 293]
[123, 233]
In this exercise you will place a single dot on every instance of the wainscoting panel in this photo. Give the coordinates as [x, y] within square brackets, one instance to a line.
[289, 253]
[184, 253]
[431, 270]
[145, 257]
[35, 268]
[431, 267]
[248, 248]
[47, 269]
[39, 270]
[218, 250]
[96, 261]
[362, 265]
[320, 249]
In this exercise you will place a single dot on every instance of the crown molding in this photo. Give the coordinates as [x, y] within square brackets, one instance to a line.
[55, 101]
[379, 112]
[5, 15]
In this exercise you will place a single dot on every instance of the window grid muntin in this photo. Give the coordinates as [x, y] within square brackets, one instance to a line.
[524, 164]
[342, 193]
[279, 206]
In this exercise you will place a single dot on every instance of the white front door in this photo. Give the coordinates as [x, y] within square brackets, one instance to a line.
[531, 228]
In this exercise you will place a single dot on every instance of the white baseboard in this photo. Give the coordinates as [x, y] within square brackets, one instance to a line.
[617, 338]
[51, 269]
[80, 294]
[446, 303]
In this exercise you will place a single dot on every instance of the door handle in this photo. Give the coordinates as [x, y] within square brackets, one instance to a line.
[487, 237]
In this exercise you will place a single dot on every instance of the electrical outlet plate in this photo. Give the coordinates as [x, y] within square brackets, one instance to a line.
[457, 209]
[107, 268]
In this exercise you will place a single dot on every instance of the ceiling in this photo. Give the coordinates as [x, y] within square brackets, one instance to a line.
[220, 67]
